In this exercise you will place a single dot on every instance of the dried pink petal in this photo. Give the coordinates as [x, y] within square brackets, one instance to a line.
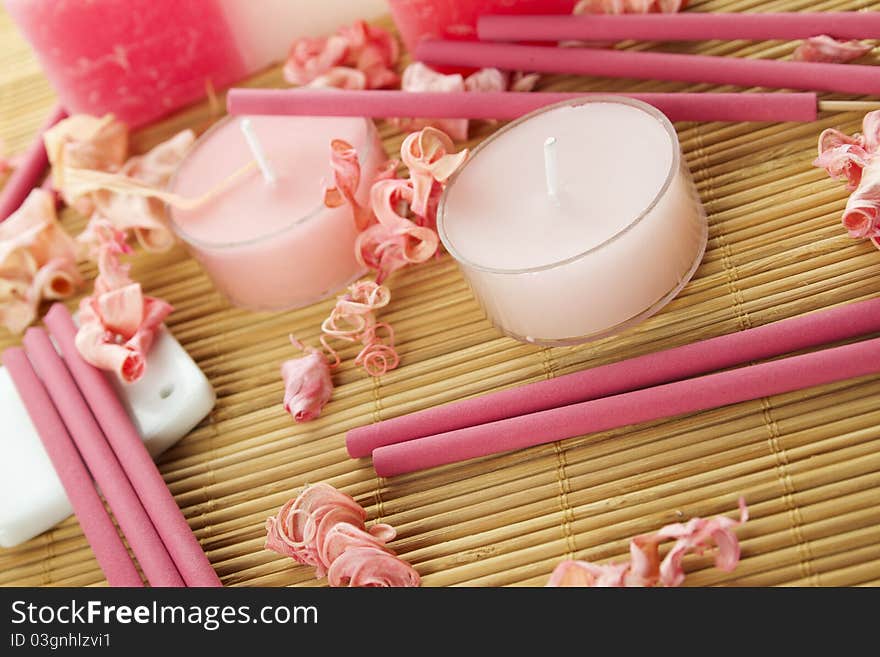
[584, 573]
[844, 162]
[856, 159]
[698, 535]
[395, 241]
[353, 320]
[347, 178]
[321, 526]
[429, 156]
[370, 566]
[146, 216]
[311, 57]
[308, 385]
[486, 79]
[645, 567]
[861, 218]
[37, 261]
[118, 323]
[359, 56]
[827, 49]
[84, 142]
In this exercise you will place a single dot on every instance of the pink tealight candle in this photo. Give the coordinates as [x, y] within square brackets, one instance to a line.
[272, 244]
[575, 221]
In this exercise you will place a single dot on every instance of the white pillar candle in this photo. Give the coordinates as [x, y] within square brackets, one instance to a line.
[621, 236]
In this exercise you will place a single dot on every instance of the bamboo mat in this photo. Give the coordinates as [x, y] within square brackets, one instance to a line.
[808, 463]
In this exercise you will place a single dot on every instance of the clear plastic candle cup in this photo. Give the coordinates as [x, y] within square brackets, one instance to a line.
[576, 221]
[274, 245]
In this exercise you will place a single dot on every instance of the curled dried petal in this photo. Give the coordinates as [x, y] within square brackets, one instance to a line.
[645, 568]
[322, 526]
[85, 142]
[827, 49]
[429, 155]
[146, 217]
[370, 566]
[359, 56]
[308, 385]
[118, 323]
[347, 178]
[37, 261]
[311, 57]
[861, 218]
[584, 573]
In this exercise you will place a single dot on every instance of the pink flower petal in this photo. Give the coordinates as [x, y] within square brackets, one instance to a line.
[85, 142]
[324, 528]
[645, 567]
[862, 214]
[118, 323]
[429, 156]
[37, 261]
[359, 56]
[373, 567]
[827, 49]
[584, 573]
[347, 178]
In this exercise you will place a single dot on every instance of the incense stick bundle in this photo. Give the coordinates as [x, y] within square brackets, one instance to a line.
[770, 73]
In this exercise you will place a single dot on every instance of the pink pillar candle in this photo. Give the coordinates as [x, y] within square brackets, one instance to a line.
[457, 19]
[138, 59]
[274, 246]
[623, 233]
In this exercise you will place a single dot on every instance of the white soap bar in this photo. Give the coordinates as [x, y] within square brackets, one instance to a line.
[172, 397]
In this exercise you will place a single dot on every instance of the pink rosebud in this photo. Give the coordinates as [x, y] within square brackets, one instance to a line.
[308, 385]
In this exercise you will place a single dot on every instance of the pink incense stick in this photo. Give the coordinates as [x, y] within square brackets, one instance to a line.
[689, 26]
[96, 524]
[510, 105]
[105, 468]
[774, 74]
[27, 175]
[123, 437]
[785, 336]
[689, 396]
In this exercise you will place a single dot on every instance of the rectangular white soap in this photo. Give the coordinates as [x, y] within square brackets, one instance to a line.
[172, 397]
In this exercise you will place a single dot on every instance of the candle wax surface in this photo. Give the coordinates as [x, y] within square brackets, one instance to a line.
[275, 246]
[138, 59]
[613, 161]
[299, 151]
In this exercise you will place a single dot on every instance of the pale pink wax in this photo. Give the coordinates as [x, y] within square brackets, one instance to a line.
[625, 233]
[274, 246]
[457, 19]
[138, 59]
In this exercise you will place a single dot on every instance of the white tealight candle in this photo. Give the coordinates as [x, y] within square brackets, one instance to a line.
[575, 221]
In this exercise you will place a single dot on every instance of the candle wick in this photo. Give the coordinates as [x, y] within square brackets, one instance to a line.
[257, 150]
[551, 168]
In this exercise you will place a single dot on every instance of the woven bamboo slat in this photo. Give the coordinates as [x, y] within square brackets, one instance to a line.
[808, 463]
